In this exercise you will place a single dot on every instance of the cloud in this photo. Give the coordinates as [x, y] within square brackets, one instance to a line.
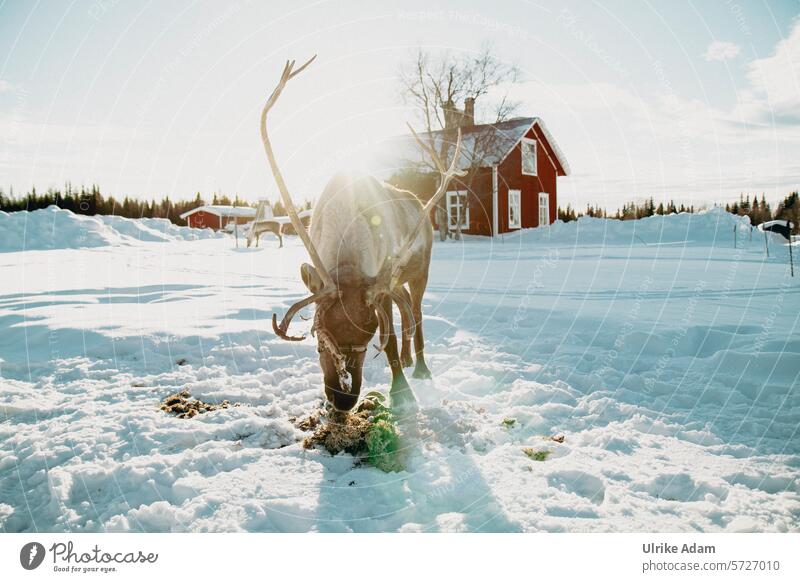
[721, 51]
[774, 93]
[6, 86]
[630, 140]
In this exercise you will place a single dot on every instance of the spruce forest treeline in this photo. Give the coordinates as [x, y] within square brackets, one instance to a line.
[758, 210]
[90, 202]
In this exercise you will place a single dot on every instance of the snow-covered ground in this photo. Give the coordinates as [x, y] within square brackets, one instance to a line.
[668, 359]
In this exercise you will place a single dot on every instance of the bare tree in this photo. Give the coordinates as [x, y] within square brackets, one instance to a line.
[434, 83]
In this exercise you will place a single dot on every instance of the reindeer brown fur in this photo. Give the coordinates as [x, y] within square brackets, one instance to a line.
[367, 242]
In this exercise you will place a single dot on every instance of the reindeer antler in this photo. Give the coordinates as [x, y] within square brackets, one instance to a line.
[447, 174]
[280, 330]
[290, 73]
[328, 286]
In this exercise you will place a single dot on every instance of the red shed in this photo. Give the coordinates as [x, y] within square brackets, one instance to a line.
[513, 179]
[217, 216]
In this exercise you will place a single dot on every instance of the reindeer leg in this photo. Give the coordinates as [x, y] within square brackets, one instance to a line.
[405, 354]
[400, 392]
[417, 291]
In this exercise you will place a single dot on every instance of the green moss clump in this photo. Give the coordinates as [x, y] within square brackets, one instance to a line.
[383, 439]
[509, 422]
[383, 447]
[369, 432]
[537, 455]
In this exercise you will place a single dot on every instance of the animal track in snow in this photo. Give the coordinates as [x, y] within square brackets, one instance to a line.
[579, 483]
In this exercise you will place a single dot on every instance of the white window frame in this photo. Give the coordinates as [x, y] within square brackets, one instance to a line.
[518, 195]
[544, 196]
[532, 142]
[454, 198]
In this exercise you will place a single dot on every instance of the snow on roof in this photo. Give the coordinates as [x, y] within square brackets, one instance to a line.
[284, 219]
[770, 223]
[223, 211]
[488, 144]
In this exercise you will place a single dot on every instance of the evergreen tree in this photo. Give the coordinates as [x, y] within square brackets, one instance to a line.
[789, 209]
[566, 214]
[766, 211]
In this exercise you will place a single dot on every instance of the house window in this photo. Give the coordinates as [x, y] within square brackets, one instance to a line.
[544, 209]
[528, 156]
[514, 209]
[457, 209]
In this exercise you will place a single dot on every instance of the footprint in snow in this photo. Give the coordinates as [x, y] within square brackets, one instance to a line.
[579, 483]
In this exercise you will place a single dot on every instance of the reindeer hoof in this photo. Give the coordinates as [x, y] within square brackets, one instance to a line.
[406, 361]
[401, 396]
[399, 383]
[421, 372]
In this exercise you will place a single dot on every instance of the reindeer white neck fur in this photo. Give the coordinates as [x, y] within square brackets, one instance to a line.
[362, 221]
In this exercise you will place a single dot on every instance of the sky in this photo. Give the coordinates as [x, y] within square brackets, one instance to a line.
[692, 101]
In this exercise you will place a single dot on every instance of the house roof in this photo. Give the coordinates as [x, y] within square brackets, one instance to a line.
[223, 211]
[283, 219]
[770, 223]
[489, 144]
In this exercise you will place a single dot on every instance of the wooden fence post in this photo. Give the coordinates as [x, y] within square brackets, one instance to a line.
[791, 259]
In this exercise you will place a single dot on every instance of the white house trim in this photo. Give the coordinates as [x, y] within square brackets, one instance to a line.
[495, 203]
[550, 140]
[544, 196]
[517, 206]
[454, 199]
[535, 144]
[550, 159]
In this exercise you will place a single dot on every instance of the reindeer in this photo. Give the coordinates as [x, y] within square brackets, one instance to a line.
[260, 228]
[367, 241]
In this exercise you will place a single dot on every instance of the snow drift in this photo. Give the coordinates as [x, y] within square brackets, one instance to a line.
[671, 370]
[714, 227]
[55, 228]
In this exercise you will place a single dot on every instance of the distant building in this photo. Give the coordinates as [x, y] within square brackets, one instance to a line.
[217, 217]
[516, 164]
[781, 227]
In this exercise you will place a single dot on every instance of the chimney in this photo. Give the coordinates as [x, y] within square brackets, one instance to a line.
[451, 114]
[469, 112]
[454, 117]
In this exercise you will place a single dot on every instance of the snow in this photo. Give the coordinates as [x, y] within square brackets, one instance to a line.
[666, 357]
[54, 228]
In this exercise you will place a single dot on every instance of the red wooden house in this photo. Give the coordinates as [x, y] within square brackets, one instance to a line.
[216, 216]
[513, 170]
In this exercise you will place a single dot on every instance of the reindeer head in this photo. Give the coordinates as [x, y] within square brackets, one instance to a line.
[347, 316]
[349, 306]
[345, 321]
